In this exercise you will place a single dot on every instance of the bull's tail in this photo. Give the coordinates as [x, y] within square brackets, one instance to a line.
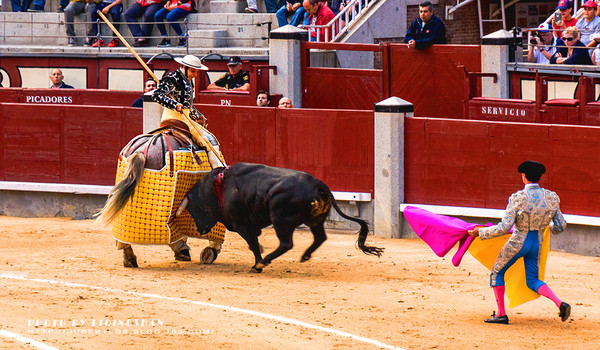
[120, 194]
[362, 235]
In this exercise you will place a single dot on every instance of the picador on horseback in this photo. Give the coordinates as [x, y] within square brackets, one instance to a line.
[157, 169]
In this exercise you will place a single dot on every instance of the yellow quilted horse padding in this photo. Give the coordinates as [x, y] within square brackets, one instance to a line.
[149, 216]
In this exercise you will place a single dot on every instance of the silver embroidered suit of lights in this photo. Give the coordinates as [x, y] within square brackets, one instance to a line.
[530, 209]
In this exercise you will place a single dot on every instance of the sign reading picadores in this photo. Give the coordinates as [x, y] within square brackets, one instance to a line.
[48, 99]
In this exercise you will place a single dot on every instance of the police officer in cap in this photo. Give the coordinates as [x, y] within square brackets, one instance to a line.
[236, 79]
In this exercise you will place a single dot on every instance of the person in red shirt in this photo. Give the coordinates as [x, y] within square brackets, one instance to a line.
[319, 15]
[567, 20]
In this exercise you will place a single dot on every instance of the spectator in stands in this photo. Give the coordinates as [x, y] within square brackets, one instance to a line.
[56, 76]
[544, 45]
[263, 99]
[575, 52]
[149, 85]
[236, 79]
[285, 102]
[318, 15]
[272, 6]
[38, 6]
[75, 8]
[145, 9]
[426, 30]
[62, 4]
[20, 5]
[291, 7]
[567, 20]
[173, 11]
[115, 8]
[589, 23]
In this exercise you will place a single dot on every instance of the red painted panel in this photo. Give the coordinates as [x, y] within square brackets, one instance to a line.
[591, 114]
[485, 175]
[431, 79]
[560, 114]
[336, 146]
[71, 144]
[337, 88]
[246, 134]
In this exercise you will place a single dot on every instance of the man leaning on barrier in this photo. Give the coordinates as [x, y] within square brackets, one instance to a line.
[543, 45]
[426, 30]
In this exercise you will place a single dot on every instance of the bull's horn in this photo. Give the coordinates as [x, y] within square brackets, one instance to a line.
[181, 208]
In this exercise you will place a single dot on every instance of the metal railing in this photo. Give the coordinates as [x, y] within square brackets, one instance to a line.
[342, 22]
[186, 26]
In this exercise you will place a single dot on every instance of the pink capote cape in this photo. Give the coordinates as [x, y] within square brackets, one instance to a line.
[440, 232]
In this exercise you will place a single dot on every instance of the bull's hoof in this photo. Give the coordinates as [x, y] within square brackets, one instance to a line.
[305, 258]
[255, 269]
[208, 256]
[130, 262]
[183, 255]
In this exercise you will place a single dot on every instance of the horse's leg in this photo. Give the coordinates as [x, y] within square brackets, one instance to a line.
[181, 249]
[129, 258]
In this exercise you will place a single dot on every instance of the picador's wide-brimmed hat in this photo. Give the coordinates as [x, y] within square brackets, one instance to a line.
[191, 61]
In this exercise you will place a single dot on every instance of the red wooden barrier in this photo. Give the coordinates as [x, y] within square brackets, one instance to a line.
[473, 163]
[341, 88]
[333, 145]
[433, 79]
[591, 114]
[336, 146]
[71, 144]
[99, 97]
[246, 134]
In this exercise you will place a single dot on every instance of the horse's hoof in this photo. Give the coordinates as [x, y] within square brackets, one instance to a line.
[183, 255]
[208, 256]
[130, 263]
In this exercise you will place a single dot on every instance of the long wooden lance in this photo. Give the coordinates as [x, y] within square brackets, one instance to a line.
[199, 129]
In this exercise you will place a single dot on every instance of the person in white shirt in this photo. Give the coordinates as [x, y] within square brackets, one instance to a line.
[589, 23]
[543, 45]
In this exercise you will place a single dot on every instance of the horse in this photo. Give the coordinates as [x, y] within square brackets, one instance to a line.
[143, 152]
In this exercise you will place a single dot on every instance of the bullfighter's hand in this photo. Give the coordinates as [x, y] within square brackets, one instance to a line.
[179, 107]
[475, 231]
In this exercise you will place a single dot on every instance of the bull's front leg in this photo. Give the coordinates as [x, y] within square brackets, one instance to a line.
[251, 237]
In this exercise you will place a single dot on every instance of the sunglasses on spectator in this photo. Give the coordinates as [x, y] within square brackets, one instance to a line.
[568, 39]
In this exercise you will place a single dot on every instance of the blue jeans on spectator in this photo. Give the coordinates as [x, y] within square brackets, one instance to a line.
[171, 16]
[134, 12]
[115, 13]
[297, 18]
[18, 6]
[40, 4]
[274, 5]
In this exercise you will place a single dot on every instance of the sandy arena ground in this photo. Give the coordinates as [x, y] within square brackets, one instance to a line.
[64, 286]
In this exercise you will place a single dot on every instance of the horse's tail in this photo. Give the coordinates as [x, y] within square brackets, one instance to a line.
[362, 234]
[120, 194]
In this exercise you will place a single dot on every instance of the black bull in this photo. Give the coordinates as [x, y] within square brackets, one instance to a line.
[248, 197]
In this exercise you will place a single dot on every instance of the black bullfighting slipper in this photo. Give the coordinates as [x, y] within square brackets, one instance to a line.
[497, 319]
[565, 311]
[183, 255]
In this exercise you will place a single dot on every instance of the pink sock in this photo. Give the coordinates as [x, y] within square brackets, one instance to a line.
[499, 293]
[545, 291]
